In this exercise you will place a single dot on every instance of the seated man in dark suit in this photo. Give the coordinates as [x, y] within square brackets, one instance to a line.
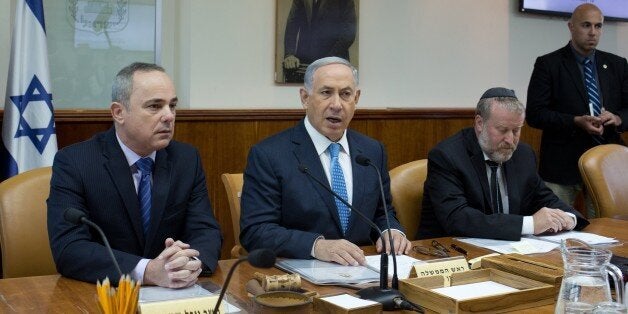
[482, 183]
[285, 210]
[158, 219]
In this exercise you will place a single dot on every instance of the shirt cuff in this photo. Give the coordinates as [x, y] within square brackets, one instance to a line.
[314, 245]
[575, 219]
[404, 235]
[138, 272]
[528, 225]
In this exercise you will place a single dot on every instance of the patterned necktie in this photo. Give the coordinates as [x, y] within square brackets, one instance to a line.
[592, 90]
[496, 197]
[145, 165]
[338, 185]
[595, 104]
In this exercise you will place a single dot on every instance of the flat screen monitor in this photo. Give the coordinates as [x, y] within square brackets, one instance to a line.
[614, 10]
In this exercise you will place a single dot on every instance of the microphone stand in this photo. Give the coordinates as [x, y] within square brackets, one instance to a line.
[387, 297]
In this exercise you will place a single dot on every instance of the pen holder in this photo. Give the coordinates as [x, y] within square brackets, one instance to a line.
[118, 301]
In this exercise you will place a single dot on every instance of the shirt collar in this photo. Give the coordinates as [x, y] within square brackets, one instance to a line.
[321, 142]
[579, 57]
[131, 156]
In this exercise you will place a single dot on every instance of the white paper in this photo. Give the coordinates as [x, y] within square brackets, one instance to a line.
[154, 293]
[404, 264]
[589, 238]
[525, 246]
[319, 272]
[475, 290]
[348, 301]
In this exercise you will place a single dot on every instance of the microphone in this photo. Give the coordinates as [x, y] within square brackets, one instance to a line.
[364, 161]
[262, 258]
[379, 294]
[398, 300]
[75, 216]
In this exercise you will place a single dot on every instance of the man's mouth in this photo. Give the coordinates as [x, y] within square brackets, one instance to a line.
[334, 119]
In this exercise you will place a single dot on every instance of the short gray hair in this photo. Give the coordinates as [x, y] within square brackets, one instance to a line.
[308, 80]
[123, 82]
[511, 104]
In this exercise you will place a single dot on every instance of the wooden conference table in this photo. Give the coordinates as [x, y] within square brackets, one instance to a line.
[56, 294]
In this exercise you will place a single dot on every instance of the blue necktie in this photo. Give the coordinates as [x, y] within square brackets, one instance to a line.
[338, 185]
[595, 102]
[592, 90]
[145, 165]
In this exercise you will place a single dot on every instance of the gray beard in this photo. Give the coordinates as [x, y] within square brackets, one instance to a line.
[496, 156]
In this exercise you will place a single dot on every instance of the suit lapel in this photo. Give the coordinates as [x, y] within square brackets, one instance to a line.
[120, 174]
[479, 165]
[359, 176]
[514, 198]
[602, 75]
[306, 155]
[161, 184]
[570, 63]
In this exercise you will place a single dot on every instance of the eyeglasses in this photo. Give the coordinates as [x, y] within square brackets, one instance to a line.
[437, 249]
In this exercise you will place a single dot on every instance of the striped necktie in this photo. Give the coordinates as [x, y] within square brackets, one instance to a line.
[338, 185]
[145, 166]
[592, 90]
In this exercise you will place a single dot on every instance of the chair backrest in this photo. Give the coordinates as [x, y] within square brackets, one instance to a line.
[406, 187]
[603, 173]
[23, 225]
[233, 185]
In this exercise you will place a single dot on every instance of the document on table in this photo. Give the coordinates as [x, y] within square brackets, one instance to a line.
[524, 246]
[404, 264]
[327, 273]
[156, 294]
[589, 238]
[475, 290]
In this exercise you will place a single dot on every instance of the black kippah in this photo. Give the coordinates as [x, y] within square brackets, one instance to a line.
[498, 92]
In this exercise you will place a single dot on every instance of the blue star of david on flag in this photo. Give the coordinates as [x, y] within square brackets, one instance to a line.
[39, 136]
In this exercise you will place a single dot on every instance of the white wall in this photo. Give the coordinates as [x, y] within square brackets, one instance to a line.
[413, 53]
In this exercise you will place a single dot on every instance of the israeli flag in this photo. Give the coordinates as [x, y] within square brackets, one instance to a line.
[28, 129]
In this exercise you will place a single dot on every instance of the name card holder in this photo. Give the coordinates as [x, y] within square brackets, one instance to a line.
[444, 267]
[203, 304]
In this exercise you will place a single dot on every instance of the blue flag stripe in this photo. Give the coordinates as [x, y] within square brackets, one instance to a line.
[38, 10]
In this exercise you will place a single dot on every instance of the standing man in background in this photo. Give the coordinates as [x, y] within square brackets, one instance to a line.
[147, 192]
[578, 96]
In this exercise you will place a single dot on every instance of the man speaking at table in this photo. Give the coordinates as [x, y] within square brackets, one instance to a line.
[147, 192]
[482, 182]
[285, 210]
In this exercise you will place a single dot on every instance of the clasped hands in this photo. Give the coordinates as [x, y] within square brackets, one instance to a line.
[552, 220]
[175, 267]
[595, 125]
[346, 253]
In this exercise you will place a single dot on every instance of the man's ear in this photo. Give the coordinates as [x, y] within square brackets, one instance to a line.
[304, 96]
[478, 124]
[117, 112]
[357, 96]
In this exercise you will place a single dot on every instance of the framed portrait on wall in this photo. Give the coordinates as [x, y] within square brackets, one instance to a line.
[307, 30]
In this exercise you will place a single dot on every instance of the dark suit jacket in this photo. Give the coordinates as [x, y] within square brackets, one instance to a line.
[456, 199]
[284, 210]
[557, 93]
[94, 176]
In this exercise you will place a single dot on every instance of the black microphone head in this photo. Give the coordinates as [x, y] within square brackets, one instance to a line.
[303, 168]
[73, 215]
[262, 258]
[362, 160]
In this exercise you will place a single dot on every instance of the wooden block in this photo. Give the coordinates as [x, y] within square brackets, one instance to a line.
[530, 293]
[525, 266]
